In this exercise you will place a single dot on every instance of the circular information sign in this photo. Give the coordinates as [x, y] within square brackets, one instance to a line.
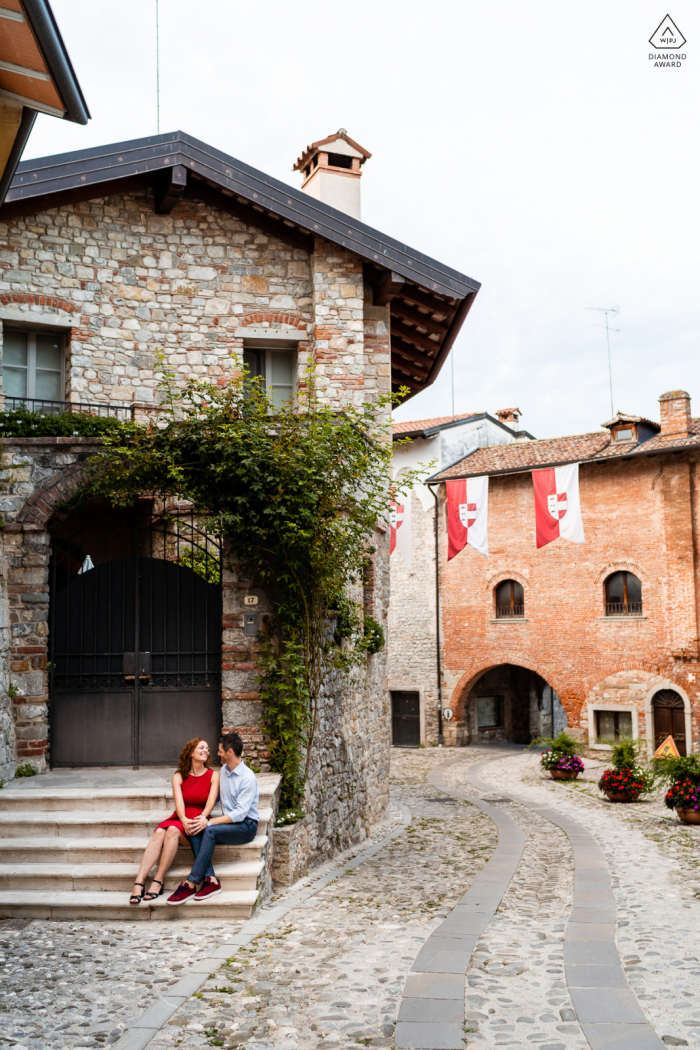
[448, 714]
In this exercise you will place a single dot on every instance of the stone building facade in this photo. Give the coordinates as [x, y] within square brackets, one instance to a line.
[619, 664]
[194, 263]
[412, 656]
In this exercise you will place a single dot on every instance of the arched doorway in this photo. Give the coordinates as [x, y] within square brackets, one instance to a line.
[134, 637]
[668, 713]
[512, 703]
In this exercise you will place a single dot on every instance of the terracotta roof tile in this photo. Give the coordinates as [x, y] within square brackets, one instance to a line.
[417, 425]
[529, 455]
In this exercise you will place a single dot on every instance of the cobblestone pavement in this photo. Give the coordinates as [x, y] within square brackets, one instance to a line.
[653, 862]
[331, 972]
[79, 984]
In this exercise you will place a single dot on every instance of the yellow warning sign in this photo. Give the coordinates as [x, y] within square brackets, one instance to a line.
[668, 749]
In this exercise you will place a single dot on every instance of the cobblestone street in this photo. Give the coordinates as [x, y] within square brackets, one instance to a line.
[331, 971]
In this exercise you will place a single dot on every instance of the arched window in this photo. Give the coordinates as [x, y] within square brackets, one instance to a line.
[623, 594]
[510, 599]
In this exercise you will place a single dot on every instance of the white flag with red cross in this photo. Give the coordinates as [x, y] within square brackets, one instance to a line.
[467, 515]
[400, 526]
[557, 505]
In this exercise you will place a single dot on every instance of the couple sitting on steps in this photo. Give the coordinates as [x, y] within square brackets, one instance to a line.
[196, 788]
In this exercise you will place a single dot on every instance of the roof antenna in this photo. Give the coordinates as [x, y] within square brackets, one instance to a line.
[452, 366]
[607, 310]
[157, 74]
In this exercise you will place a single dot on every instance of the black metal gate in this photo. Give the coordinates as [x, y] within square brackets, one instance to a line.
[135, 636]
[405, 719]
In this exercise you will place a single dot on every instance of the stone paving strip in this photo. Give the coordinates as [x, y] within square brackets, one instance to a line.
[663, 971]
[330, 972]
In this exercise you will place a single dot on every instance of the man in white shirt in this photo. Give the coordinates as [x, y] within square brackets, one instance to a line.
[239, 797]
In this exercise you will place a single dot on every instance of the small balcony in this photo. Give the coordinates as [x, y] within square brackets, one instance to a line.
[623, 608]
[509, 612]
[57, 408]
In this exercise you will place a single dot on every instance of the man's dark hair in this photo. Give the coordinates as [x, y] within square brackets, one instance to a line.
[232, 742]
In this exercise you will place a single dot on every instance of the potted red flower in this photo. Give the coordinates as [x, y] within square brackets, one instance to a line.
[682, 774]
[626, 781]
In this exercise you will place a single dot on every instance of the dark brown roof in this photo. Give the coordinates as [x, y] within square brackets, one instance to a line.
[623, 417]
[596, 447]
[415, 426]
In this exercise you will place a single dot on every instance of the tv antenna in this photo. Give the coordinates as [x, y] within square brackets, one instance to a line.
[608, 311]
[157, 73]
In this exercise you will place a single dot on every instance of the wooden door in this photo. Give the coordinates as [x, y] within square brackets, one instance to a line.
[669, 719]
[405, 719]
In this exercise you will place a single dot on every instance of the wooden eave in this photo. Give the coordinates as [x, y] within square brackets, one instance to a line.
[430, 300]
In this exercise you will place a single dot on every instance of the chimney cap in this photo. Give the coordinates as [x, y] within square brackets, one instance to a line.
[315, 147]
[508, 413]
[675, 395]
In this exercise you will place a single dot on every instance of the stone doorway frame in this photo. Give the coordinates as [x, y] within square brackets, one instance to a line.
[666, 683]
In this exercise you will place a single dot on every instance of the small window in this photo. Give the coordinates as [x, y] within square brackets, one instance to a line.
[489, 712]
[613, 726]
[510, 599]
[278, 370]
[32, 364]
[623, 595]
[624, 435]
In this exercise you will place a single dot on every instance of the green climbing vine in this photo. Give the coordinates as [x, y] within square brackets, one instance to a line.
[296, 493]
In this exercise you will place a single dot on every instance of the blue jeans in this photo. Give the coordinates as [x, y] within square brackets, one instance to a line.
[205, 842]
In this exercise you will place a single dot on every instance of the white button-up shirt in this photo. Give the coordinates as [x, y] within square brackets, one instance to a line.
[238, 793]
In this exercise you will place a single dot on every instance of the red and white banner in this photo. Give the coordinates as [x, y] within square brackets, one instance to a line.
[467, 515]
[400, 525]
[557, 505]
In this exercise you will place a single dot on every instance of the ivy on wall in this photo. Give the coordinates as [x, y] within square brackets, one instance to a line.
[296, 493]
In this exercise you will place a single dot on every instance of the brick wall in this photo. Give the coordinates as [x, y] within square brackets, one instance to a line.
[638, 515]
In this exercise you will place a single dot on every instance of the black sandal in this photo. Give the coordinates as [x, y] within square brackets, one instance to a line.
[148, 897]
[135, 898]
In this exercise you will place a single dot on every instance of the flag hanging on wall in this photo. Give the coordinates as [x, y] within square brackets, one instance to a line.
[557, 505]
[467, 515]
[400, 525]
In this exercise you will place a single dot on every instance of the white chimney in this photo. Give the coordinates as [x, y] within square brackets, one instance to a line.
[331, 171]
[510, 416]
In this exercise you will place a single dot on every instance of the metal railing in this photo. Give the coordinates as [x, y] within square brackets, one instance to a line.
[509, 612]
[44, 407]
[623, 608]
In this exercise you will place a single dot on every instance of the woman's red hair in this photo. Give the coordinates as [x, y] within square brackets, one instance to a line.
[184, 762]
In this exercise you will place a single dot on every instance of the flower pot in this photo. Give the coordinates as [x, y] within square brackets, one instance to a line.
[621, 796]
[562, 774]
[689, 816]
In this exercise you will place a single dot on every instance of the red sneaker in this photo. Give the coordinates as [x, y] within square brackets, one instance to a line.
[181, 894]
[210, 888]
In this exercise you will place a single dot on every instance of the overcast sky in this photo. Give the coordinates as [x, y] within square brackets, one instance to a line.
[533, 146]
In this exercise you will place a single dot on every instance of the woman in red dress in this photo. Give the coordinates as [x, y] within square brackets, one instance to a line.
[196, 789]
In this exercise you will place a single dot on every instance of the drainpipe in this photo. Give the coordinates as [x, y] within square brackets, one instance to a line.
[437, 615]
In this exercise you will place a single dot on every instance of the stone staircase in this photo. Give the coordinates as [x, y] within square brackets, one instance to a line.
[68, 853]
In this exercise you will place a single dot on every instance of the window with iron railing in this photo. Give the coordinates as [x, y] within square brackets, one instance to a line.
[510, 600]
[32, 363]
[47, 407]
[623, 594]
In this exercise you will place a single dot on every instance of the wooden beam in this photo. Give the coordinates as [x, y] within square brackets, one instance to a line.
[438, 306]
[409, 367]
[390, 285]
[402, 347]
[399, 309]
[412, 336]
[199, 190]
[168, 189]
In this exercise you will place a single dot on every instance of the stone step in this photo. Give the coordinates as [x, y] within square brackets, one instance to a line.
[122, 850]
[76, 904]
[103, 800]
[79, 823]
[116, 877]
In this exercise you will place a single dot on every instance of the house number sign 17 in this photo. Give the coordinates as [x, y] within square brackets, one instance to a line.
[250, 599]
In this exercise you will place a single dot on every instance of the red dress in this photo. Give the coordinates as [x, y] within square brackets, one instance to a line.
[195, 792]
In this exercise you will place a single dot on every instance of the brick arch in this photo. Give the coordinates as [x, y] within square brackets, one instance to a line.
[499, 577]
[274, 317]
[571, 698]
[37, 300]
[43, 504]
[617, 566]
